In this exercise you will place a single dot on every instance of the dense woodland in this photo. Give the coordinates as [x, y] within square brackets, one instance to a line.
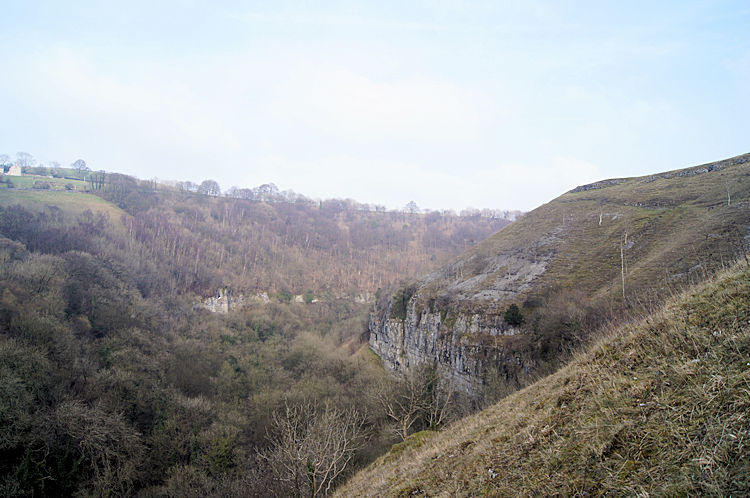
[114, 383]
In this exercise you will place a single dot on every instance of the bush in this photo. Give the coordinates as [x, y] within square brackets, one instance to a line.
[284, 296]
[308, 296]
[513, 315]
[401, 302]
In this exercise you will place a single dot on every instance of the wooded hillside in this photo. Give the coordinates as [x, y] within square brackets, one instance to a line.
[268, 242]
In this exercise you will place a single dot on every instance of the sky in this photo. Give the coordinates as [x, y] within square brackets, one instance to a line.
[451, 104]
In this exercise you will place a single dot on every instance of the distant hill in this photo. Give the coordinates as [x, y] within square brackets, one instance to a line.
[658, 407]
[269, 243]
[593, 254]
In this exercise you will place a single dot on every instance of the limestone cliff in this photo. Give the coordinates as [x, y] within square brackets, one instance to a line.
[465, 343]
[220, 303]
[587, 256]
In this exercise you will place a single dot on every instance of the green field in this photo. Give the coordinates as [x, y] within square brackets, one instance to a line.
[71, 202]
[28, 181]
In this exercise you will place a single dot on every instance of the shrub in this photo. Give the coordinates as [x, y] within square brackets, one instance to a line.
[401, 302]
[513, 315]
[284, 296]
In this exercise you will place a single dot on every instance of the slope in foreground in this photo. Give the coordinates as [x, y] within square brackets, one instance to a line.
[660, 407]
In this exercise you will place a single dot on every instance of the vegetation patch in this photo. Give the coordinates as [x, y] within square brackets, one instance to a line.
[513, 315]
[400, 302]
[414, 441]
[448, 318]
[375, 355]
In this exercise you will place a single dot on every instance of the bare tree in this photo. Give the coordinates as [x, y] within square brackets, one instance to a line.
[401, 402]
[440, 391]
[729, 192]
[266, 192]
[412, 208]
[420, 399]
[622, 263]
[311, 447]
[25, 160]
[80, 166]
[209, 187]
[187, 187]
[97, 179]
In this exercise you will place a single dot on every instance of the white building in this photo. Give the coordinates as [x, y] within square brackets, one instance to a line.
[14, 170]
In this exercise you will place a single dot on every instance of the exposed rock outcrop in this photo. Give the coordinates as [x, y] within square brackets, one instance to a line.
[220, 303]
[467, 344]
[225, 301]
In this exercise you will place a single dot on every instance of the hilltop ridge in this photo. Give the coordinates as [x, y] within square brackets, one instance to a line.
[569, 265]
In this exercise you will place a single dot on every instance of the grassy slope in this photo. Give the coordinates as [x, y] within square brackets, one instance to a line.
[660, 406]
[71, 202]
[673, 223]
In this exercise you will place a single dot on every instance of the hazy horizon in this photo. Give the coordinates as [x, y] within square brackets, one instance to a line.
[489, 106]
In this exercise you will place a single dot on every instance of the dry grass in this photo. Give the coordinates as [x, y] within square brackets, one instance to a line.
[657, 407]
[680, 230]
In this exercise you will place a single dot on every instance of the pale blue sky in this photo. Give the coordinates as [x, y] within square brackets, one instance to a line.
[450, 104]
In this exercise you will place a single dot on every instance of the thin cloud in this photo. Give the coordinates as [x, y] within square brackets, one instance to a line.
[352, 106]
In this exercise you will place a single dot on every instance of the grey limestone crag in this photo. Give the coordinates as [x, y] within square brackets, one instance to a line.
[224, 301]
[468, 345]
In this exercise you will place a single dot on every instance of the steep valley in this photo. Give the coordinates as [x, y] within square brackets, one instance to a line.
[125, 371]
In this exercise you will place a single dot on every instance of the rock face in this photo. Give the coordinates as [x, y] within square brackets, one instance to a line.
[225, 300]
[454, 317]
[592, 252]
[222, 302]
[467, 344]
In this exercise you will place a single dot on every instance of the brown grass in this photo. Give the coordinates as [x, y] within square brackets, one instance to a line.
[680, 227]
